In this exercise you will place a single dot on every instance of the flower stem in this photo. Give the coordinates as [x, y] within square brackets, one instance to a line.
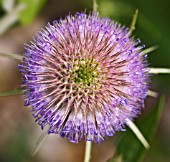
[88, 151]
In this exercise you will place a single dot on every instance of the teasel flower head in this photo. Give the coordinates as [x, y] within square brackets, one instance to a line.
[84, 76]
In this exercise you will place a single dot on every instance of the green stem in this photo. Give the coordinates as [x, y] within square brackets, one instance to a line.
[11, 93]
[148, 50]
[12, 56]
[95, 5]
[88, 151]
[133, 23]
[138, 134]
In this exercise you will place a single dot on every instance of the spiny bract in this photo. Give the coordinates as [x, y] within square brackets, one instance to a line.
[84, 76]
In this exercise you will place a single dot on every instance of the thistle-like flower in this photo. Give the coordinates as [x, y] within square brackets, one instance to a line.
[84, 76]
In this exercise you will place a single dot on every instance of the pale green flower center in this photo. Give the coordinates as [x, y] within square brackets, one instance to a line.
[85, 71]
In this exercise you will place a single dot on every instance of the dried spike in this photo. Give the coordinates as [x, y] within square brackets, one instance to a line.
[159, 70]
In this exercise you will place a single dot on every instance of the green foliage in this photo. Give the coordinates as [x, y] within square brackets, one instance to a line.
[129, 149]
[31, 10]
[17, 149]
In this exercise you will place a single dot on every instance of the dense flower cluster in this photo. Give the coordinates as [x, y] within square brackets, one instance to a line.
[84, 76]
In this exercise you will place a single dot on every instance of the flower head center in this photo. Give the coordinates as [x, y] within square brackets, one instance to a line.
[85, 71]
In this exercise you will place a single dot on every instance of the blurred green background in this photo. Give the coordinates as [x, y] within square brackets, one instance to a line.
[20, 19]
